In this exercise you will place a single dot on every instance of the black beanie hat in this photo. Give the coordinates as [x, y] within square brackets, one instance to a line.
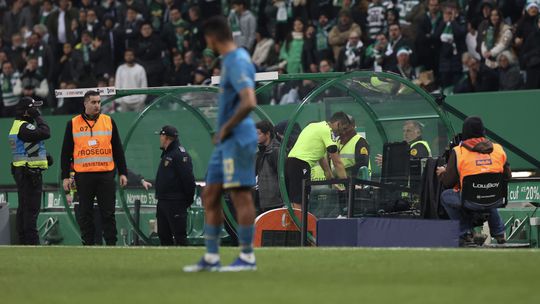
[473, 127]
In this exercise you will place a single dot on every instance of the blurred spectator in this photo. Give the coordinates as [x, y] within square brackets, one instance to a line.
[201, 77]
[30, 13]
[130, 75]
[180, 74]
[351, 57]
[42, 52]
[480, 18]
[525, 26]
[69, 105]
[46, 9]
[16, 52]
[309, 53]
[396, 42]
[374, 58]
[148, 52]
[85, 47]
[376, 16]
[243, 24]
[290, 54]
[210, 8]
[404, 66]
[209, 59]
[427, 42]
[391, 17]
[478, 79]
[509, 75]
[263, 55]
[531, 57]
[325, 66]
[321, 37]
[197, 41]
[112, 38]
[168, 34]
[114, 9]
[471, 41]
[71, 64]
[93, 26]
[451, 34]
[32, 83]
[13, 20]
[495, 39]
[156, 9]
[59, 25]
[130, 28]
[100, 58]
[339, 35]
[8, 79]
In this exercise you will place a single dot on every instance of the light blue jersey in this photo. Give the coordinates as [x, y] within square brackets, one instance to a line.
[232, 163]
[237, 73]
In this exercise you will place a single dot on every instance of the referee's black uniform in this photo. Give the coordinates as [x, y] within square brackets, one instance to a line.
[175, 188]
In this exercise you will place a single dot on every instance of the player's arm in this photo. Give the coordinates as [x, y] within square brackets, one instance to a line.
[338, 165]
[247, 103]
[326, 168]
[332, 150]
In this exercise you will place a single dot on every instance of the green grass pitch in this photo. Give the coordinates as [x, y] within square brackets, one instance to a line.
[153, 275]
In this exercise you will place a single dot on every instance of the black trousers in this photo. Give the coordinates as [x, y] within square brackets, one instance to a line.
[172, 220]
[29, 188]
[98, 185]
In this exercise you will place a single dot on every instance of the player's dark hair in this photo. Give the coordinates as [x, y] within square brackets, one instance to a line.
[90, 93]
[341, 117]
[218, 27]
[265, 126]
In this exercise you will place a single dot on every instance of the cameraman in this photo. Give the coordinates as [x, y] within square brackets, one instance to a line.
[474, 155]
[26, 138]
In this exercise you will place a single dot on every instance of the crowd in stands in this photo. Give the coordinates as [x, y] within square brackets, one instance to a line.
[455, 46]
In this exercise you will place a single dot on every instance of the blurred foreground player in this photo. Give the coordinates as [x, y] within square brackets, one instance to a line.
[232, 164]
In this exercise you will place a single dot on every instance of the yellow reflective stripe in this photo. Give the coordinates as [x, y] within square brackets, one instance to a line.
[95, 133]
[92, 160]
[423, 142]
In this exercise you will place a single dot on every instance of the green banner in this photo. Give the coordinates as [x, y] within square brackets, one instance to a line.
[526, 191]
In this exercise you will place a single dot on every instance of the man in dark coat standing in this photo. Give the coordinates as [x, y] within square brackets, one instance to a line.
[175, 188]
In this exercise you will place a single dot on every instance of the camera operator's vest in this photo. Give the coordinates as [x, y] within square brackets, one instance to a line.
[26, 154]
[92, 144]
[472, 163]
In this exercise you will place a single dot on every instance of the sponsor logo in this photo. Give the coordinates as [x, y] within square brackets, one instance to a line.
[484, 162]
[414, 152]
[485, 186]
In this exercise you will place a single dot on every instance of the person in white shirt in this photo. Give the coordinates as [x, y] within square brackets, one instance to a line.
[130, 75]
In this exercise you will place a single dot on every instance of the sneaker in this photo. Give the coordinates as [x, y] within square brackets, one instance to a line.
[239, 265]
[203, 265]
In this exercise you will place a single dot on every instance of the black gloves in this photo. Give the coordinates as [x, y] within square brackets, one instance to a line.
[33, 112]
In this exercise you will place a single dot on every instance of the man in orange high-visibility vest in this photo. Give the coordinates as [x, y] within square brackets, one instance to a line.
[474, 155]
[92, 145]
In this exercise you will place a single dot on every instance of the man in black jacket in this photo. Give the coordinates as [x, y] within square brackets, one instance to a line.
[175, 188]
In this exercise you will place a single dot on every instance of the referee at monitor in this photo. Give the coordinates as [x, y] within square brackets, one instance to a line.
[93, 146]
